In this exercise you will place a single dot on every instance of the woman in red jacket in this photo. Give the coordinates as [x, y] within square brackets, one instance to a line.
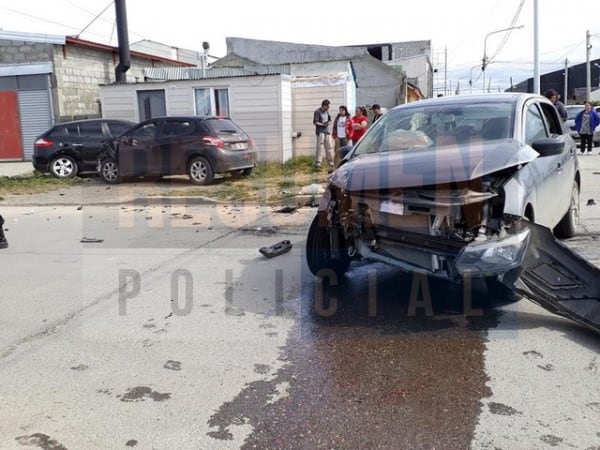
[360, 122]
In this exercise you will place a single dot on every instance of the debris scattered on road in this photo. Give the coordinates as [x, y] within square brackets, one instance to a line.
[276, 249]
[313, 189]
[261, 231]
[287, 209]
[30, 212]
[591, 202]
[80, 207]
[86, 240]
[186, 217]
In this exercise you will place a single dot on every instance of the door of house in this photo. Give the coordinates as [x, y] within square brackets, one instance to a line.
[11, 146]
[151, 104]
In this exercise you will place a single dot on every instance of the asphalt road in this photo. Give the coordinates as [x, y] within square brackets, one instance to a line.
[174, 332]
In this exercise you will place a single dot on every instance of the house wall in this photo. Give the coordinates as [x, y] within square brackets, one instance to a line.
[77, 73]
[417, 68]
[20, 52]
[261, 105]
[306, 100]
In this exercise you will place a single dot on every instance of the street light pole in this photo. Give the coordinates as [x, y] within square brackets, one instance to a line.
[485, 61]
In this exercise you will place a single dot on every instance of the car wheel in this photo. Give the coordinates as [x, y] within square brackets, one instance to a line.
[568, 225]
[63, 166]
[200, 171]
[109, 171]
[318, 251]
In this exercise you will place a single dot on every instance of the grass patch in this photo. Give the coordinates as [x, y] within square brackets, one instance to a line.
[268, 182]
[33, 184]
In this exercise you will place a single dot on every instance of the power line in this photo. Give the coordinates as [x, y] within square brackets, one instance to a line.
[510, 30]
[95, 18]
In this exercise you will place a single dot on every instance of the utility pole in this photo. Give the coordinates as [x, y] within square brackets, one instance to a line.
[536, 49]
[566, 91]
[446, 70]
[588, 71]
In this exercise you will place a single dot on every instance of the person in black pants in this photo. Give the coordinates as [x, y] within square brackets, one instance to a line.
[585, 124]
[3, 241]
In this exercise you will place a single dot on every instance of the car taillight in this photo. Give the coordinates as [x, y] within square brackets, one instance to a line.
[214, 141]
[43, 143]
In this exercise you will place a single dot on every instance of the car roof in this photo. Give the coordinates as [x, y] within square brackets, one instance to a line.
[510, 97]
[77, 122]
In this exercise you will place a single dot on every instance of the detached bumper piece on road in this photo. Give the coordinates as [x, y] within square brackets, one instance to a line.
[559, 280]
[276, 249]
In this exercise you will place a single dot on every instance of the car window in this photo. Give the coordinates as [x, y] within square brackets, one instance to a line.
[572, 111]
[223, 126]
[117, 129]
[91, 130]
[145, 132]
[553, 122]
[535, 127]
[435, 125]
[173, 128]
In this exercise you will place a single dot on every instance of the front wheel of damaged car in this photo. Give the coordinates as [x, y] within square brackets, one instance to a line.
[109, 171]
[567, 227]
[319, 255]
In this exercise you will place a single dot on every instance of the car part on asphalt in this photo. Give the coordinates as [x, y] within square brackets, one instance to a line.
[3, 241]
[591, 202]
[276, 249]
[86, 240]
[287, 209]
[558, 279]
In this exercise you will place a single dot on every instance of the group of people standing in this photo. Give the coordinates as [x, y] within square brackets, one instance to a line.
[345, 130]
[586, 120]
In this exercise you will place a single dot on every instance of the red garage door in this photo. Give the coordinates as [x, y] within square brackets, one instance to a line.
[11, 146]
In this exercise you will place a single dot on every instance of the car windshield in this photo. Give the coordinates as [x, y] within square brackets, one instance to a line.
[432, 126]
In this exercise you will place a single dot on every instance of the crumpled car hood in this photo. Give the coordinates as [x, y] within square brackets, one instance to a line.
[432, 166]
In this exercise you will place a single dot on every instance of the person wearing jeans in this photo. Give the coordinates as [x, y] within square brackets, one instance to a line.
[321, 121]
[585, 124]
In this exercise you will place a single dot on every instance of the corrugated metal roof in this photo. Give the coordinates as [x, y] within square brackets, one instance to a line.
[25, 69]
[31, 37]
[193, 73]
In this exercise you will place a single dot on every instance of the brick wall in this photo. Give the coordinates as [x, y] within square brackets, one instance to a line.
[18, 52]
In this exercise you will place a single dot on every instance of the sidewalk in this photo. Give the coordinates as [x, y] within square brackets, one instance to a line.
[15, 169]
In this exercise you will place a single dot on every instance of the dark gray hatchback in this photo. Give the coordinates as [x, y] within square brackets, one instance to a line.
[197, 146]
[70, 148]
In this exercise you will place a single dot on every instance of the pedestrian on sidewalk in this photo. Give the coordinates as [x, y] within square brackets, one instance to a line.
[360, 123]
[585, 124]
[321, 121]
[376, 108]
[3, 241]
[342, 132]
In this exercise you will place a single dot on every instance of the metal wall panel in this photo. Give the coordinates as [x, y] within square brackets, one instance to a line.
[36, 117]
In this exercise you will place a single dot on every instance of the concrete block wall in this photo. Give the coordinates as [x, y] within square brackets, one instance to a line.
[19, 52]
[79, 71]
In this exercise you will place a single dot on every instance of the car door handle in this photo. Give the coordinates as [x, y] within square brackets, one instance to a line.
[76, 145]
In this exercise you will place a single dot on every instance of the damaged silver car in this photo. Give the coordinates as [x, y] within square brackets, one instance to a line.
[452, 187]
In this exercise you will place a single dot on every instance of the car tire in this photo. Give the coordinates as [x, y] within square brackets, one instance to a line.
[109, 171]
[200, 171]
[567, 227]
[63, 166]
[318, 252]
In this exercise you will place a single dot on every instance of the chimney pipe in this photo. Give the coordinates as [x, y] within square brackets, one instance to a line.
[123, 36]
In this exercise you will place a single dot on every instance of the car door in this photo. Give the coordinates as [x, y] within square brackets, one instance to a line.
[177, 135]
[90, 143]
[545, 170]
[134, 149]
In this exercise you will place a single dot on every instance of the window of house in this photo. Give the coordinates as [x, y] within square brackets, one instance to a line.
[212, 101]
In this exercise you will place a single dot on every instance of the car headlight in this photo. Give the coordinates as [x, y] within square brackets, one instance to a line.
[493, 257]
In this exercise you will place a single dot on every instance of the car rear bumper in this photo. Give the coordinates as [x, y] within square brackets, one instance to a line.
[228, 160]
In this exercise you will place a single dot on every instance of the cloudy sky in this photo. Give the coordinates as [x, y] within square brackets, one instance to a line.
[459, 27]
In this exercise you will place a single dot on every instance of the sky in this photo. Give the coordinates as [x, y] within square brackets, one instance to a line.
[457, 29]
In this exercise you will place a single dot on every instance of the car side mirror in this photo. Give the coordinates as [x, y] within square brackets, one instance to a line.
[548, 146]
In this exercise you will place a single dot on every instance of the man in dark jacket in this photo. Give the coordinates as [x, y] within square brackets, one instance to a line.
[3, 241]
[321, 121]
[376, 112]
[554, 97]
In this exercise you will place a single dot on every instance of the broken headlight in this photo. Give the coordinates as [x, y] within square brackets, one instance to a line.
[493, 257]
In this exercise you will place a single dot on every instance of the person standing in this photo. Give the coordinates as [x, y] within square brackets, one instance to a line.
[585, 124]
[376, 108]
[360, 123]
[554, 97]
[342, 132]
[3, 241]
[321, 121]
